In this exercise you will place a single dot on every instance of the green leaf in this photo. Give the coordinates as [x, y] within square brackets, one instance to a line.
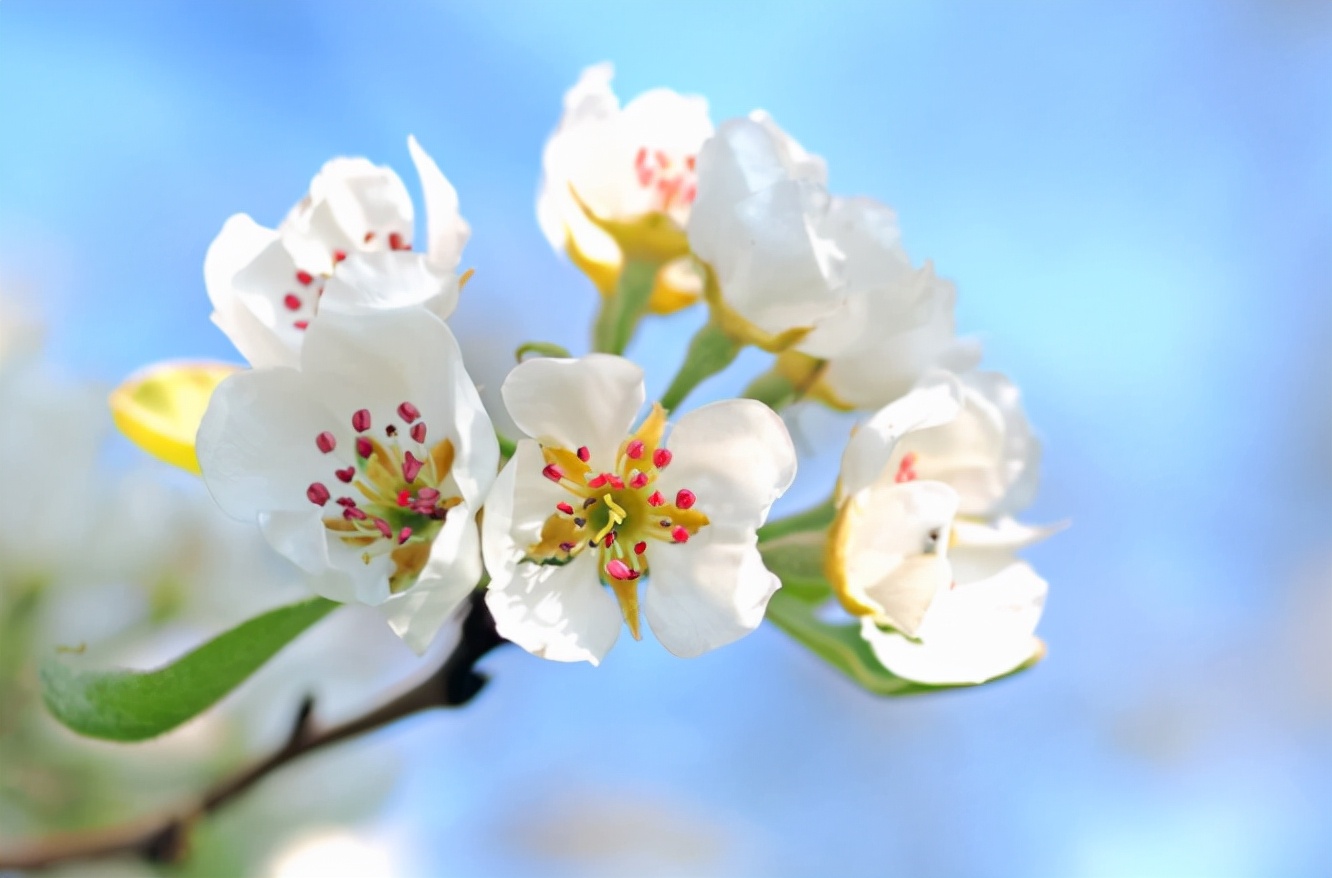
[797, 559]
[820, 518]
[710, 351]
[621, 311]
[125, 705]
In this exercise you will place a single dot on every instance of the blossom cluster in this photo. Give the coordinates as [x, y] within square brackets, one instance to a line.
[357, 441]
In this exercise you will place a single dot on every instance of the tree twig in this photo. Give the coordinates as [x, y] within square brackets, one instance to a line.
[165, 838]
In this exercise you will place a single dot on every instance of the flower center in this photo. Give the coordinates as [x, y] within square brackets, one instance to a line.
[672, 181]
[616, 512]
[395, 503]
[302, 303]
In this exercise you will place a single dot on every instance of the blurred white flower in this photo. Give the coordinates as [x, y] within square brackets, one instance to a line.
[923, 541]
[627, 166]
[760, 223]
[366, 466]
[346, 246]
[580, 507]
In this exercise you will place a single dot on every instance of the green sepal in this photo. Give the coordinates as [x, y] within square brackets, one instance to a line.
[623, 309]
[126, 705]
[710, 351]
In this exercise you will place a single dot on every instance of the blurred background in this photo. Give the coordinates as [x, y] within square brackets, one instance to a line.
[1135, 200]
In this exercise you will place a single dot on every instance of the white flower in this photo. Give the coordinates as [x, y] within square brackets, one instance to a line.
[759, 223]
[894, 322]
[589, 504]
[347, 246]
[624, 164]
[923, 541]
[366, 466]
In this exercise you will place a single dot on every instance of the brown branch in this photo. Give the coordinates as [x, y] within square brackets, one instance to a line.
[165, 838]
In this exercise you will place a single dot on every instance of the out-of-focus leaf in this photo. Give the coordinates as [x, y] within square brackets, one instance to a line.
[820, 518]
[125, 705]
[797, 559]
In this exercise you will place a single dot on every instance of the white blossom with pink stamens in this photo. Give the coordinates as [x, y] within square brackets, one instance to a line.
[624, 163]
[590, 508]
[365, 466]
[346, 246]
[923, 544]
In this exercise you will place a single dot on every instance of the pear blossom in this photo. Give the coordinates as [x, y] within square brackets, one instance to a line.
[893, 323]
[627, 166]
[924, 537]
[365, 466]
[590, 503]
[760, 223]
[347, 246]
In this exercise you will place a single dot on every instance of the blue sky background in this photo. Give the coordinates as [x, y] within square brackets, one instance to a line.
[1135, 200]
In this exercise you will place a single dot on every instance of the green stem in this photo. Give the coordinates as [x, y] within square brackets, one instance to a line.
[818, 518]
[773, 389]
[710, 352]
[621, 311]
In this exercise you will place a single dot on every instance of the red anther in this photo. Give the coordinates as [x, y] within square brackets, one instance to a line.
[304, 278]
[361, 420]
[638, 480]
[369, 236]
[620, 570]
[409, 412]
[615, 481]
[609, 539]
[317, 494]
[419, 431]
[326, 442]
[553, 472]
[691, 161]
[404, 498]
[301, 324]
[680, 535]
[411, 467]
[663, 160]
[906, 470]
[641, 158]
[404, 535]
[583, 454]
[661, 458]
[565, 508]
[346, 502]
[598, 481]
[363, 447]
[383, 527]
[634, 450]
[684, 498]
[292, 301]
[338, 256]
[351, 513]
[345, 475]
[397, 243]
[689, 194]
[567, 547]
[430, 495]
[640, 548]
[655, 499]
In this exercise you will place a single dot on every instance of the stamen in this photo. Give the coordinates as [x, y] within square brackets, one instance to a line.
[620, 570]
[590, 501]
[396, 242]
[338, 256]
[292, 301]
[584, 454]
[430, 495]
[404, 498]
[363, 447]
[390, 431]
[383, 527]
[655, 499]
[317, 493]
[567, 547]
[404, 535]
[580, 522]
[640, 548]
[361, 420]
[351, 513]
[609, 539]
[685, 498]
[906, 470]
[565, 508]
[419, 431]
[305, 278]
[598, 481]
[661, 458]
[326, 441]
[553, 472]
[346, 502]
[345, 475]
[302, 324]
[680, 535]
[411, 467]
[634, 450]
[409, 412]
[369, 236]
[638, 479]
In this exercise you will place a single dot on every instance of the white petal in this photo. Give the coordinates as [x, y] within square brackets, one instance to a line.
[973, 633]
[243, 269]
[1005, 533]
[349, 198]
[588, 104]
[446, 231]
[869, 453]
[449, 576]
[736, 456]
[388, 279]
[592, 401]
[892, 547]
[707, 592]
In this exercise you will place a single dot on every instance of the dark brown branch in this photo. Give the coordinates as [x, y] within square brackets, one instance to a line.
[165, 839]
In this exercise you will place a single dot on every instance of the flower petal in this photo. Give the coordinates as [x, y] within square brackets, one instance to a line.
[936, 400]
[449, 576]
[385, 279]
[244, 266]
[446, 231]
[736, 456]
[592, 401]
[708, 592]
[976, 632]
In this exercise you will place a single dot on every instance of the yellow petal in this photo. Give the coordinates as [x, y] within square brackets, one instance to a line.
[159, 408]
